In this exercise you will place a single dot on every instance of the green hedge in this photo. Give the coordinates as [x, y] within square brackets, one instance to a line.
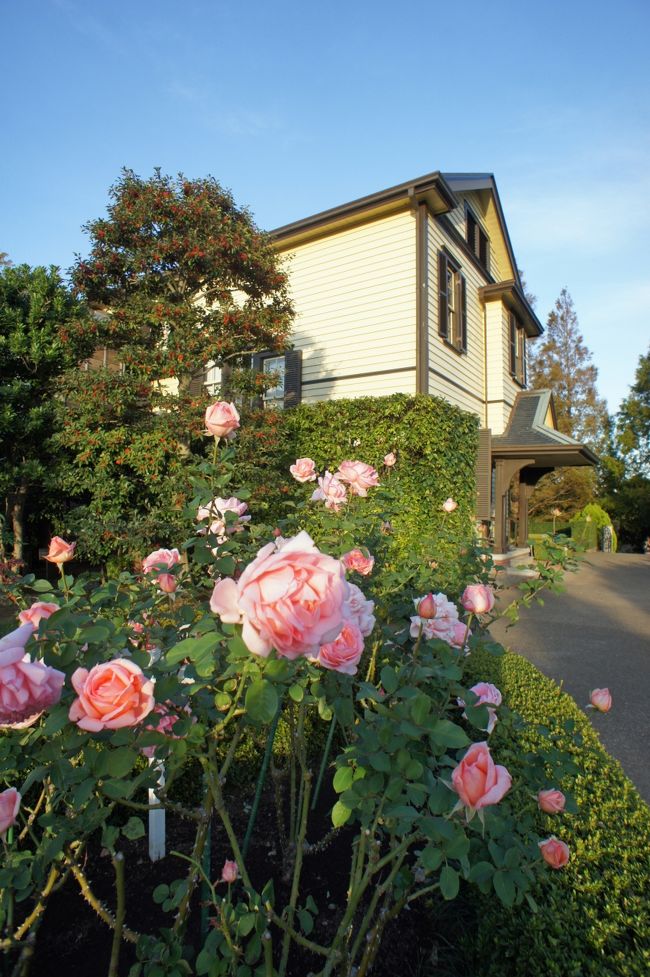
[435, 443]
[594, 916]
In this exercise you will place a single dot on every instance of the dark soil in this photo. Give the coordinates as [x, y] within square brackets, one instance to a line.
[73, 941]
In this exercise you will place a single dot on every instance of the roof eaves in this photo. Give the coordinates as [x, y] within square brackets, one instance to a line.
[412, 190]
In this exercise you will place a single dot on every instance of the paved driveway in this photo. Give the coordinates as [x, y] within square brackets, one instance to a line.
[597, 634]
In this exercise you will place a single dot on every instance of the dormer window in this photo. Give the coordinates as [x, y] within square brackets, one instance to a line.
[478, 240]
[517, 350]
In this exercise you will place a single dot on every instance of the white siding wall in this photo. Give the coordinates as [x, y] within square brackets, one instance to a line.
[501, 388]
[355, 295]
[459, 377]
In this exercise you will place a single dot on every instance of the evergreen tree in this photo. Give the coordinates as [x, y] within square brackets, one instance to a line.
[43, 332]
[180, 277]
[561, 362]
[633, 422]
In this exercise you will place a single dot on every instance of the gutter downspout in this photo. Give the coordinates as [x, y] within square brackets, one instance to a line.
[422, 295]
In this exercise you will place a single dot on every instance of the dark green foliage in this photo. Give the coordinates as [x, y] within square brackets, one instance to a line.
[435, 444]
[593, 917]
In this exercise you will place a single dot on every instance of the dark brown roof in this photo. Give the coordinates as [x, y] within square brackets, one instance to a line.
[527, 432]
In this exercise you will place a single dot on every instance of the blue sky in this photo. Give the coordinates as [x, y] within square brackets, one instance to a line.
[297, 106]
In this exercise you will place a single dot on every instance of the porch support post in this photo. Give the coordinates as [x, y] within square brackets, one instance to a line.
[505, 469]
[525, 492]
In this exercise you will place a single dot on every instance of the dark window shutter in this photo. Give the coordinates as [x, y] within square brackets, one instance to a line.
[513, 345]
[197, 383]
[463, 312]
[472, 228]
[292, 377]
[443, 304]
[484, 475]
[524, 364]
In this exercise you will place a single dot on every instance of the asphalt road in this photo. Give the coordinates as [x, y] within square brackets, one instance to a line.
[597, 635]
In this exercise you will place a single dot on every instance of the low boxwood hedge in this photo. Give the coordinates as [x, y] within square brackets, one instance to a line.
[593, 917]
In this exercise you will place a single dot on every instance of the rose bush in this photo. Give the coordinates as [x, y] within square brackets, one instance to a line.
[262, 628]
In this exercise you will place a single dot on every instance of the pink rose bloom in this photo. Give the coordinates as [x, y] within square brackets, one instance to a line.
[111, 695]
[551, 801]
[161, 558]
[478, 598]
[343, 654]
[360, 477]
[9, 806]
[60, 551]
[289, 598]
[449, 505]
[390, 459]
[486, 694]
[221, 419]
[27, 688]
[443, 622]
[358, 561]
[221, 506]
[229, 872]
[459, 636]
[167, 582]
[478, 781]
[40, 611]
[554, 852]
[165, 718]
[304, 470]
[600, 699]
[330, 491]
[358, 610]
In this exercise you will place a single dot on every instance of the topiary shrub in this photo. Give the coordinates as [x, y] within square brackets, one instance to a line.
[592, 919]
[587, 524]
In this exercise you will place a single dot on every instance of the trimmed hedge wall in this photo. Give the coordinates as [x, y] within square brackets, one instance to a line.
[594, 916]
[435, 444]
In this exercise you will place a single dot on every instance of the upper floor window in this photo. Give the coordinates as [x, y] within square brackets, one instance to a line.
[517, 350]
[452, 311]
[478, 240]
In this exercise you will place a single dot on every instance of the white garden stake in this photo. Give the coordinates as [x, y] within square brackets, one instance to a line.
[157, 816]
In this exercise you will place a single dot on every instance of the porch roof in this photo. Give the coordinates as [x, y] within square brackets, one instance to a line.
[528, 435]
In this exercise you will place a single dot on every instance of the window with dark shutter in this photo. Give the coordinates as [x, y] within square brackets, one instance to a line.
[197, 383]
[463, 313]
[443, 302]
[478, 240]
[517, 350]
[292, 377]
[286, 368]
[513, 344]
[484, 475]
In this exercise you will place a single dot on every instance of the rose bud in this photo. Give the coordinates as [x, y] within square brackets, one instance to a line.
[60, 551]
[551, 801]
[449, 505]
[229, 872]
[427, 607]
[600, 699]
[221, 419]
[478, 598]
[554, 852]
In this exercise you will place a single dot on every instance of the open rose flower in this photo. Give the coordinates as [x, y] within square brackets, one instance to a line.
[551, 801]
[442, 619]
[330, 491]
[459, 636]
[111, 695]
[554, 852]
[478, 781]
[9, 806]
[600, 699]
[358, 561]
[359, 476]
[27, 688]
[40, 611]
[486, 694]
[165, 716]
[290, 599]
[218, 508]
[449, 505]
[221, 419]
[304, 470]
[359, 610]
[160, 559]
[478, 598]
[343, 654]
[60, 551]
